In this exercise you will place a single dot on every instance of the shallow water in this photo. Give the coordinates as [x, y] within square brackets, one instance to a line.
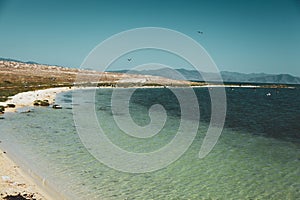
[256, 157]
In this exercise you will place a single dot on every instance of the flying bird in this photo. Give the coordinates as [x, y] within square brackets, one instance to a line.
[129, 59]
[200, 32]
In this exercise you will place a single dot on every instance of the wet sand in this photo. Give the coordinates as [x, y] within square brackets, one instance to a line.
[14, 183]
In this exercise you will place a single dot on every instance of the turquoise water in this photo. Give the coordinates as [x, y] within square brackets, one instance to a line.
[256, 157]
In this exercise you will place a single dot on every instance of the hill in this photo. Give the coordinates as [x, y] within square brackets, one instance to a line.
[229, 77]
[17, 76]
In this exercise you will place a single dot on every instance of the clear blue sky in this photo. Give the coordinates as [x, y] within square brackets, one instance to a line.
[240, 35]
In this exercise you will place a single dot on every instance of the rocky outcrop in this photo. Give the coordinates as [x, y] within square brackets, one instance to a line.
[56, 106]
[10, 105]
[41, 103]
[19, 196]
[2, 109]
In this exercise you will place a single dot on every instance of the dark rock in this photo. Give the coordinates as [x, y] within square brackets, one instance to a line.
[45, 103]
[41, 103]
[2, 109]
[20, 197]
[10, 105]
[56, 106]
[37, 102]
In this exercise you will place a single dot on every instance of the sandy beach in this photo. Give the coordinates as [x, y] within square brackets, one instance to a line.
[16, 183]
[26, 99]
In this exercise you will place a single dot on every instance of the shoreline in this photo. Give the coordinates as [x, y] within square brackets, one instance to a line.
[21, 179]
[15, 179]
[26, 99]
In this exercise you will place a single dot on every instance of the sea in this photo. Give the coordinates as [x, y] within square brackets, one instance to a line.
[257, 155]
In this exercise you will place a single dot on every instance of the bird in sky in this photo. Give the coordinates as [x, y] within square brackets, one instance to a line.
[129, 59]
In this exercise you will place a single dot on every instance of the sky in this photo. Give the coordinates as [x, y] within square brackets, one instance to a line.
[240, 35]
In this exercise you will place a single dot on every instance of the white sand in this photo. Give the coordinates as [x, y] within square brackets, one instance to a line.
[232, 86]
[25, 99]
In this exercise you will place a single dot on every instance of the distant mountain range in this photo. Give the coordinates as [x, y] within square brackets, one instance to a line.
[14, 60]
[193, 75]
[230, 77]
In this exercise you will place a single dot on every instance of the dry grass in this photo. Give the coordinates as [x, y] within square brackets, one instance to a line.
[16, 77]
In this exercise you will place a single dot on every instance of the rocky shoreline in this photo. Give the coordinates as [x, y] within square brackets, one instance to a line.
[44, 97]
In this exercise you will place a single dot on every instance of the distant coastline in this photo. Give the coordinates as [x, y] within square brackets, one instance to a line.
[227, 77]
[17, 76]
